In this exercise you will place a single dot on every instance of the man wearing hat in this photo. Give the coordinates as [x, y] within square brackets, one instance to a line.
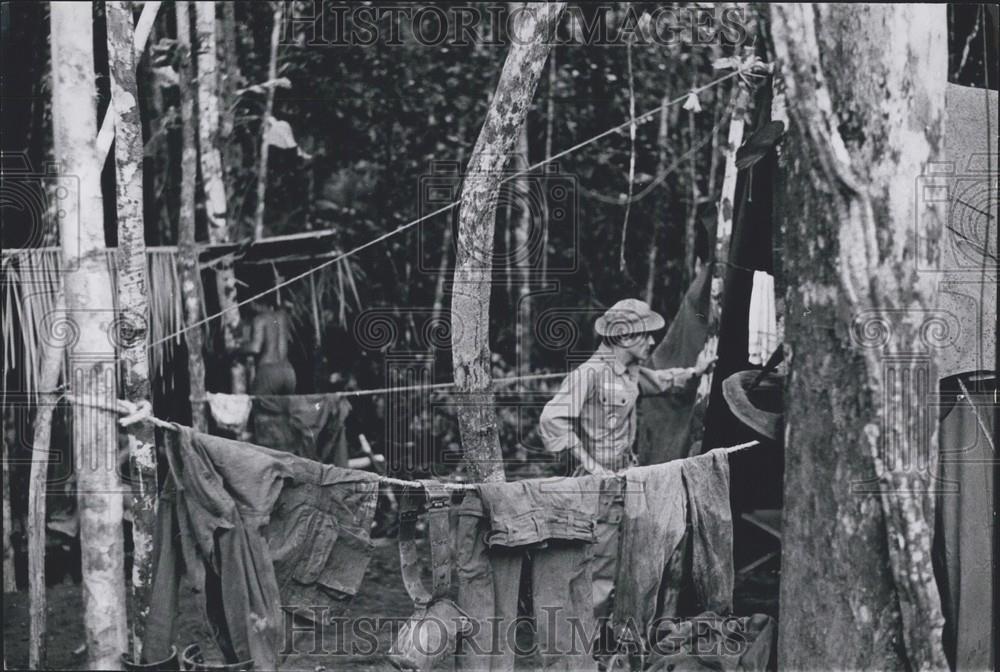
[593, 414]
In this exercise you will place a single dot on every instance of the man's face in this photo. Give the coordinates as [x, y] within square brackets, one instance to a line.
[638, 346]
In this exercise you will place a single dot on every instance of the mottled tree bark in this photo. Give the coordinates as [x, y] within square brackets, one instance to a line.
[220, 228]
[9, 584]
[187, 250]
[91, 374]
[471, 298]
[272, 74]
[133, 305]
[865, 94]
[53, 353]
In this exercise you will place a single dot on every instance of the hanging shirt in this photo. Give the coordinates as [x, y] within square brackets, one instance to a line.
[595, 407]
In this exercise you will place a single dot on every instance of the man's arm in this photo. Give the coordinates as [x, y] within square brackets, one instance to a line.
[658, 381]
[256, 345]
[556, 425]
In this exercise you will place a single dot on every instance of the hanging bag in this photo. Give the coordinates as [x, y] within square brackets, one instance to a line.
[431, 633]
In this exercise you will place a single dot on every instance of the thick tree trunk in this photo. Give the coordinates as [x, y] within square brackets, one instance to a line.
[865, 94]
[522, 259]
[720, 259]
[134, 307]
[187, 250]
[272, 74]
[220, 228]
[9, 584]
[92, 356]
[53, 353]
[230, 79]
[470, 304]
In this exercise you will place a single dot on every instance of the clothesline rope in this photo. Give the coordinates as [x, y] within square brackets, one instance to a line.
[143, 413]
[742, 71]
[412, 388]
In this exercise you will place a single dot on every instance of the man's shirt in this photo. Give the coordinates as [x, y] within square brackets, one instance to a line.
[595, 407]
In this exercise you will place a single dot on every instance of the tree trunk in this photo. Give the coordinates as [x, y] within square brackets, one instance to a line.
[866, 101]
[229, 80]
[220, 227]
[187, 250]
[522, 258]
[92, 357]
[690, 230]
[550, 113]
[272, 74]
[661, 142]
[53, 353]
[720, 259]
[470, 304]
[9, 576]
[134, 316]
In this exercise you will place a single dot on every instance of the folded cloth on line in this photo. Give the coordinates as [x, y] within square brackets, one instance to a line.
[712, 642]
[530, 512]
[212, 524]
[307, 425]
[230, 411]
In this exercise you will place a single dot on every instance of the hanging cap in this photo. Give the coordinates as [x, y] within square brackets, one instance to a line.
[628, 316]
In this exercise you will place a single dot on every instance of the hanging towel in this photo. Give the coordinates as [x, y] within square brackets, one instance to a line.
[230, 411]
[763, 324]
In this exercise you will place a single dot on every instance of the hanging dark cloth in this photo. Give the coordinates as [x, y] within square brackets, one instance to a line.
[965, 527]
[664, 420]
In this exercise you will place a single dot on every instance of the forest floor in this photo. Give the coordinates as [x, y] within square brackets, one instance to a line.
[382, 595]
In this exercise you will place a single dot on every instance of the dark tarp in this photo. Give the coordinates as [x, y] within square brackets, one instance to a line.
[664, 420]
[308, 425]
[965, 526]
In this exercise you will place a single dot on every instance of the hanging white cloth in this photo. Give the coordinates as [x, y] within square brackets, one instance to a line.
[763, 324]
[230, 411]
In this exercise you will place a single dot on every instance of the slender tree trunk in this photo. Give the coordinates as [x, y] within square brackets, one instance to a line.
[132, 292]
[187, 250]
[272, 74]
[9, 583]
[861, 262]
[53, 352]
[690, 230]
[446, 236]
[522, 259]
[471, 299]
[550, 117]
[654, 247]
[720, 259]
[92, 357]
[220, 226]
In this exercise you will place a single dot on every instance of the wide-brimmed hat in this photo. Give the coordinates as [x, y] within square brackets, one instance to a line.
[759, 406]
[628, 316]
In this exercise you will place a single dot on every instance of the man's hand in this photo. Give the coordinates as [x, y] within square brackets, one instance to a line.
[706, 362]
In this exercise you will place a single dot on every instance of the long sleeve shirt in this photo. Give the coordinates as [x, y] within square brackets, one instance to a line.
[595, 407]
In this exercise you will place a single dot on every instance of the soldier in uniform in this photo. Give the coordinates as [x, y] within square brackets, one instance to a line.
[593, 416]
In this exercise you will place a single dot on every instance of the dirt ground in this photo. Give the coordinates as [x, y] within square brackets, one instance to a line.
[382, 595]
